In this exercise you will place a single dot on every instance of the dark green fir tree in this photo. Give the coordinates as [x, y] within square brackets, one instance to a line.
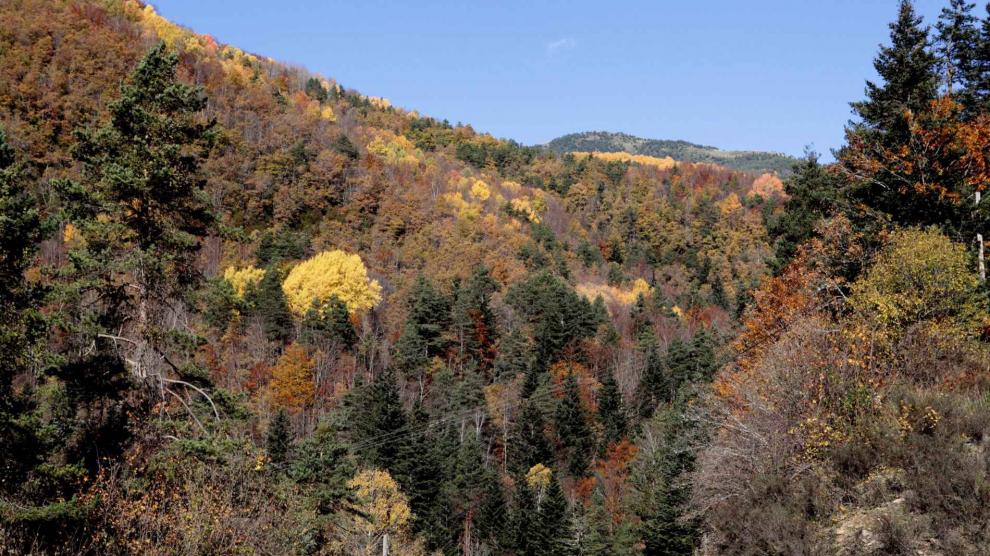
[573, 428]
[278, 442]
[611, 412]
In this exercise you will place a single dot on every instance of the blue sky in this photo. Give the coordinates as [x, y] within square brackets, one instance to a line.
[765, 75]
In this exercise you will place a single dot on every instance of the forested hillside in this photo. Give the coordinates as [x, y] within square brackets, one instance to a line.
[606, 142]
[246, 309]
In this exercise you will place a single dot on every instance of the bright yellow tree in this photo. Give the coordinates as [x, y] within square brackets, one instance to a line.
[331, 273]
[480, 190]
[383, 512]
[539, 476]
[241, 278]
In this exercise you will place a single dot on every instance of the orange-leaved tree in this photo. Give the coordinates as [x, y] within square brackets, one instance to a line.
[936, 176]
[292, 380]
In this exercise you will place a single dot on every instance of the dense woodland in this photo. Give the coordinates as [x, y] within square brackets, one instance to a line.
[605, 142]
[246, 309]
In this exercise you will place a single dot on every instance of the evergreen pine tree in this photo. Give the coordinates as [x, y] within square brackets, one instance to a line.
[593, 529]
[573, 429]
[718, 293]
[909, 81]
[552, 528]
[642, 326]
[976, 94]
[468, 486]
[329, 325]
[20, 233]
[702, 358]
[654, 384]
[446, 522]
[420, 471]
[493, 514]
[524, 519]
[558, 316]
[812, 193]
[266, 302]
[956, 45]
[279, 439]
[908, 87]
[133, 221]
[387, 416]
[599, 310]
[660, 491]
[412, 351]
[611, 413]
[141, 208]
[679, 366]
[687, 363]
[514, 355]
[321, 464]
[315, 89]
[374, 411]
[280, 245]
[346, 147]
[220, 303]
[22, 326]
[626, 539]
[138, 212]
[423, 334]
[590, 256]
[530, 445]
[473, 321]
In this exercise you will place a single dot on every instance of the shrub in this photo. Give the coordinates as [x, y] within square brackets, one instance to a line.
[920, 277]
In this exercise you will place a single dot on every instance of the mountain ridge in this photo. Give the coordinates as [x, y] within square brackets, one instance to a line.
[678, 149]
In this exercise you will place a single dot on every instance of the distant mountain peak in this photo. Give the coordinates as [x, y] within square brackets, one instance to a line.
[684, 151]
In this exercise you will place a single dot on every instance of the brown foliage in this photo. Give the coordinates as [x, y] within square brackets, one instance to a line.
[944, 158]
[292, 380]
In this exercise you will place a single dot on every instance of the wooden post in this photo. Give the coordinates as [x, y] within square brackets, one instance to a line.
[981, 264]
[384, 544]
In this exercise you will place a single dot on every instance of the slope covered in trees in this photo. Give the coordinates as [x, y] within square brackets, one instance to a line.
[247, 309]
[259, 310]
[608, 142]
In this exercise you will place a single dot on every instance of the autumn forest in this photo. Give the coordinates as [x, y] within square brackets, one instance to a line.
[246, 309]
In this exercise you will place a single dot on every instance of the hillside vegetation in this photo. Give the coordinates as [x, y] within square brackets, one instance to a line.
[247, 309]
[607, 142]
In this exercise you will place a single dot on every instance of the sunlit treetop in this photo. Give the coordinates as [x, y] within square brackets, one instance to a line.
[327, 274]
[241, 278]
[664, 163]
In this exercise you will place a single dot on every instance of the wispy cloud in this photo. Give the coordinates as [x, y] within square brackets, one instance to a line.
[558, 45]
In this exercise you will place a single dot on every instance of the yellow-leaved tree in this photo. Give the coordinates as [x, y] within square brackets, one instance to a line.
[538, 478]
[241, 278]
[327, 274]
[383, 514]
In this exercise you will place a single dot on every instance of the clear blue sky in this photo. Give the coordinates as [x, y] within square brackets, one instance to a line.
[765, 74]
